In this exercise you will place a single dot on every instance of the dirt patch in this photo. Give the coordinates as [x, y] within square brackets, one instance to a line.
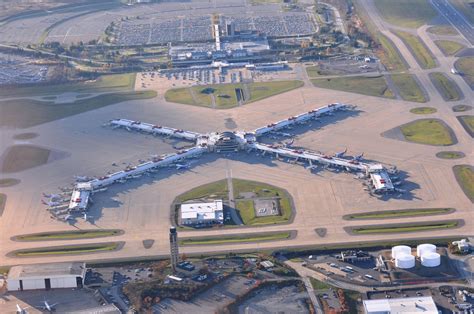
[22, 157]
[25, 136]
[8, 182]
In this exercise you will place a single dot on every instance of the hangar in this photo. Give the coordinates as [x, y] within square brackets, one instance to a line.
[46, 276]
[406, 305]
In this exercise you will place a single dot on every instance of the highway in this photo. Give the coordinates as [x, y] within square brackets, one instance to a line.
[455, 18]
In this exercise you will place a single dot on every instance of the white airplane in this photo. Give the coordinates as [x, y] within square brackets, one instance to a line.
[99, 190]
[82, 178]
[86, 217]
[47, 306]
[340, 154]
[52, 196]
[181, 166]
[51, 203]
[20, 310]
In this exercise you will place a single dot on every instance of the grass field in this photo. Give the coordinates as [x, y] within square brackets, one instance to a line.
[447, 88]
[8, 182]
[449, 47]
[318, 285]
[450, 155]
[419, 50]
[423, 110]
[465, 176]
[67, 235]
[406, 13]
[443, 30]
[372, 86]
[461, 108]
[316, 71]
[467, 122]
[392, 59]
[224, 95]
[428, 131]
[408, 87]
[22, 157]
[3, 202]
[25, 113]
[465, 66]
[105, 83]
[400, 213]
[405, 227]
[245, 238]
[68, 249]
[245, 207]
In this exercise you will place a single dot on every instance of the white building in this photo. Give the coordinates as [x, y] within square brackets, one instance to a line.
[202, 213]
[424, 305]
[46, 276]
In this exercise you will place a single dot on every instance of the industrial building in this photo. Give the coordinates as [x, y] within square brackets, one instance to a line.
[46, 276]
[202, 213]
[424, 305]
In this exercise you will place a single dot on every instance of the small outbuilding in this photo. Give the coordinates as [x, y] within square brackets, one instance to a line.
[46, 276]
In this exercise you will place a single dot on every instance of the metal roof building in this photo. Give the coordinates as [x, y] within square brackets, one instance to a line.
[424, 305]
[202, 213]
[46, 276]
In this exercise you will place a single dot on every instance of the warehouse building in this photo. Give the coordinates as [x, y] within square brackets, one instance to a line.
[202, 213]
[424, 305]
[46, 276]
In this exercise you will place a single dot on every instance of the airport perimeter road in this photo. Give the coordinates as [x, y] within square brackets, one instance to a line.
[309, 287]
[447, 10]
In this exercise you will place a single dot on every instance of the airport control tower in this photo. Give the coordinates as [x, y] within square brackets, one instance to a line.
[174, 252]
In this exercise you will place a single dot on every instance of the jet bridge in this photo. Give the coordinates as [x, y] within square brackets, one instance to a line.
[301, 118]
[154, 129]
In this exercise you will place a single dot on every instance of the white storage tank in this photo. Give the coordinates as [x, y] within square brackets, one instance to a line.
[400, 250]
[405, 261]
[425, 248]
[430, 259]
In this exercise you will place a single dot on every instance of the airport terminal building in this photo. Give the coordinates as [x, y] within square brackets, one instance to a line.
[46, 276]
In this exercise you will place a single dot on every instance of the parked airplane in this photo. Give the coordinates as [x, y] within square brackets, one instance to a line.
[181, 166]
[47, 306]
[51, 203]
[358, 157]
[86, 217]
[340, 154]
[20, 310]
[99, 190]
[83, 178]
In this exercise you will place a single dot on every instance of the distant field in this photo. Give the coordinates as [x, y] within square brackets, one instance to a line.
[465, 66]
[25, 113]
[448, 47]
[405, 227]
[224, 96]
[443, 30]
[105, 83]
[450, 155]
[406, 13]
[4, 183]
[467, 122]
[67, 235]
[245, 238]
[392, 58]
[3, 202]
[400, 213]
[428, 131]
[423, 110]
[465, 176]
[68, 249]
[408, 87]
[421, 53]
[22, 157]
[372, 86]
[446, 87]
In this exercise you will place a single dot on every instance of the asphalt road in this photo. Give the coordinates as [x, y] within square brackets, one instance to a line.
[455, 18]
